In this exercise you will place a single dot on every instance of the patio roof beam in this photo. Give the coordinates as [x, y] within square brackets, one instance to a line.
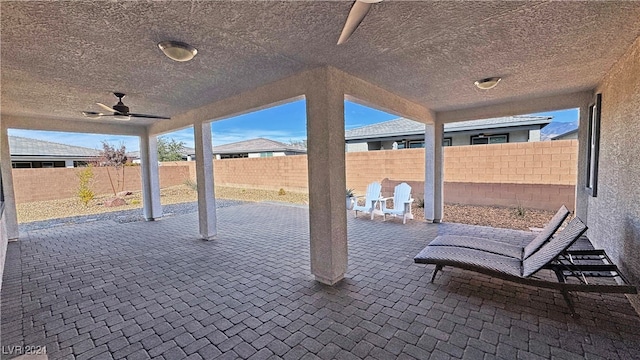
[66, 125]
[273, 94]
[364, 93]
[518, 107]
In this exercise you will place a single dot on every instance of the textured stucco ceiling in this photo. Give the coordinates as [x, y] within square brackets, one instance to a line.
[58, 58]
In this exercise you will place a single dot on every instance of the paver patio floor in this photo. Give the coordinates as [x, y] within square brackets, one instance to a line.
[143, 290]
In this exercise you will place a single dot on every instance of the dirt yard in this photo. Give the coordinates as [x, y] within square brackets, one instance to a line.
[510, 218]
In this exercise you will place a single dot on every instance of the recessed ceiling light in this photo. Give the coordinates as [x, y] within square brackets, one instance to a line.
[488, 83]
[177, 51]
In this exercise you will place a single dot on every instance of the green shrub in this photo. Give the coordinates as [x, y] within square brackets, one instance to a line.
[135, 202]
[85, 193]
[281, 192]
[350, 193]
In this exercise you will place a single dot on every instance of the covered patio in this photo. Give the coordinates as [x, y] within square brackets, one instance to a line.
[418, 60]
[152, 290]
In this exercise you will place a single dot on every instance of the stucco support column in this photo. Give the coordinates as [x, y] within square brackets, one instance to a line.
[151, 205]
[204, 179]
[582, 196]
[10, 213]
[327, 179]
[433, 172]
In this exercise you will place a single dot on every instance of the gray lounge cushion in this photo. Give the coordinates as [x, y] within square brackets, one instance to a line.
[502, 248]
[496, 247]
[470, 259]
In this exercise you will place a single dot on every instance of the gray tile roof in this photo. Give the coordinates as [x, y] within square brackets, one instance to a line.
[185, 151]
[19, 146]
[402, 126]
[255, 146]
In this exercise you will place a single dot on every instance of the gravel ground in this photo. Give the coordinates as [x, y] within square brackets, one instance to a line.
[494, 216]
[181, 199]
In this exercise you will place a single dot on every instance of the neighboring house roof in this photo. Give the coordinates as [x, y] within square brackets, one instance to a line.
[185, 151]
[23, 147]
[402, 126]
[564, 135]
[256, 146]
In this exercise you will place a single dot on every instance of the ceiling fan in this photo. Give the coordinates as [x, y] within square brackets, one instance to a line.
[358, 11]
[120, 111]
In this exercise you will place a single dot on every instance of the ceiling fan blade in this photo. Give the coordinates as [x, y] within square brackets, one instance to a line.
[108, 108]
[92, 114]
[358, 11]
[149, 116]
[119, 117]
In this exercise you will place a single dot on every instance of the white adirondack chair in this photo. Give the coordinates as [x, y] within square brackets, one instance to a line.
[401, 203]
[371, 199]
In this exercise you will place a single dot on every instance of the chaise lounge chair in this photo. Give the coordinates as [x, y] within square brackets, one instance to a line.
[502, 248]
[554, 256]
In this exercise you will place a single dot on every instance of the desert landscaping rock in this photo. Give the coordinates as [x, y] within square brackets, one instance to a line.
[115, 202]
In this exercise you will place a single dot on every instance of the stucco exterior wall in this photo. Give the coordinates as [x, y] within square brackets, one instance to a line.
[3, 246]
[353, 147]
[613, 217]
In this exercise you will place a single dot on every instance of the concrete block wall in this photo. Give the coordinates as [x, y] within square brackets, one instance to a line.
[362, 168]
[472, 174]
[533, 196]
[544, 162]
[273, 173]
[63, 183]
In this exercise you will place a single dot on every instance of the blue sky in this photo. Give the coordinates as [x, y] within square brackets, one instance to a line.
[282, 123]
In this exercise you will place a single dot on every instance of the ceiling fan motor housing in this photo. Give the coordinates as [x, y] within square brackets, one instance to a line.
[121, 108]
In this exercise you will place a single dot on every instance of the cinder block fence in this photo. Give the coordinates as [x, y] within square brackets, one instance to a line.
[539, 175]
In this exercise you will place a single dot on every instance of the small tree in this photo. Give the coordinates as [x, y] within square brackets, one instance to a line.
[110, 156]
[85, 193]
[299, 143]
[169, 150]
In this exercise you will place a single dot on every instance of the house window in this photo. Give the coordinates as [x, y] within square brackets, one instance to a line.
[47, 164]
[266, 154]
[21, 165]
[489, 139]
[1, 196]
[446, 141]
[233, 156]
[594, 146]
[416, 144]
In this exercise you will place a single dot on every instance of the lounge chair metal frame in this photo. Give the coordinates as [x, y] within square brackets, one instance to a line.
[584, 265]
